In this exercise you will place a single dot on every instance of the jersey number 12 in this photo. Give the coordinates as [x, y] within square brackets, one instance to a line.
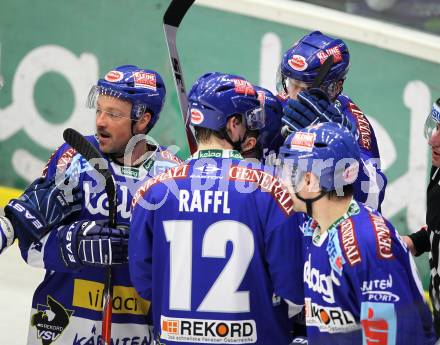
[223, 295]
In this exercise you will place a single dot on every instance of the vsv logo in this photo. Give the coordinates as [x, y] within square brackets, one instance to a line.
[50, 320]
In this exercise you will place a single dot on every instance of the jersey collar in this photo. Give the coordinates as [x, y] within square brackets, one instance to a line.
[318, 238]
[217, 153]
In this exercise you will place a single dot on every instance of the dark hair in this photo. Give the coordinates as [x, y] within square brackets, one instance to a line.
[204, 134]
[347, 191]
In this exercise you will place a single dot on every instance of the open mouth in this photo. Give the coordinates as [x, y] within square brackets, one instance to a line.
[104, 135]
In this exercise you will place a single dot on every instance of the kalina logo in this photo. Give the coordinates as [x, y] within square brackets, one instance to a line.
[335, 51]
[243, 87]
[50, 320]
[303, 141]
[146, 80]
[196, 116]
[114, 76]
[298, 63]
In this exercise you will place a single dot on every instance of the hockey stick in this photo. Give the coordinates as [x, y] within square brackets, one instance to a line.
[91, 154]
[322, 73]
[171, 21]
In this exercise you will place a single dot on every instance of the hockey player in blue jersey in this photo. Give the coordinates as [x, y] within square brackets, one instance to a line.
[360, 282]
[263, 144]
[41, 206]
[67, 306]
[216, 258]
[298, 69]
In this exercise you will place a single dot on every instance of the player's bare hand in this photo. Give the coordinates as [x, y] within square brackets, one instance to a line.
[410, 244]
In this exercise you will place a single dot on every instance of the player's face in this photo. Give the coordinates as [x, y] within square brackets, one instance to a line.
[294, 87]
[236, 129]
[434, 142]
[113, 124]
[294, 183]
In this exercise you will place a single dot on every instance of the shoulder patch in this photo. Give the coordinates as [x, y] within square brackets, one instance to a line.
[178, 172]
[383, 237]
[362, 124]
[46, 167]
[65, 159]
[266, 182]
[349, 242]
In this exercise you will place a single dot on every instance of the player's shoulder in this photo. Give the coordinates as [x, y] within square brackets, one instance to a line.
[63, 156]
[366, 133]
[163, 159]
[370, 232]
[162, 183]
[268, 187]
[167, 155]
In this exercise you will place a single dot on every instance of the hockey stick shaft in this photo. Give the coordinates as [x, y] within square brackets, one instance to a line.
[323, 71]
[171, 22]
[92, 155]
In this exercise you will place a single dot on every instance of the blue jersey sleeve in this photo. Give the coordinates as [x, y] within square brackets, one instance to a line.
[284, 247]
[393, 309]
[371, 183]
[139, 251]
[46, 253]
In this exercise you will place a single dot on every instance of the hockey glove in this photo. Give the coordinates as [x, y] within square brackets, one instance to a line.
[42, 206]
[93, 243]
[313, 106]
[7, 236]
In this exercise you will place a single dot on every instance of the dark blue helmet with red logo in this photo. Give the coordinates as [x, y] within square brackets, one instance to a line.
[143, 88]
[327, 149]
[216, 96]
[302, 61]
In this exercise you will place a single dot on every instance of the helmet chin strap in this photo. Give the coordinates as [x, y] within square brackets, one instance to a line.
[235, 145]
[309, 202]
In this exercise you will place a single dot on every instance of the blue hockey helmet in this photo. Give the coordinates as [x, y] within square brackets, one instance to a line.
[143, 88]
[215, 97]
[270, 137]
[432, 121]
[328, 150]
[302, 61]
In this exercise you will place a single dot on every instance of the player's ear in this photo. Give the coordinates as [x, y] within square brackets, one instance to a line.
[234, 121]
[339, 86]
[142, 123]
[312, 182]
[249, 144]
